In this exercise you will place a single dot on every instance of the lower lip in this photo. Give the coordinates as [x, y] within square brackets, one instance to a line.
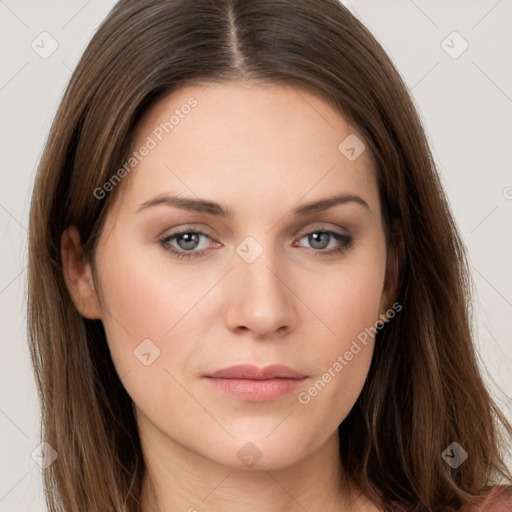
[256, 390]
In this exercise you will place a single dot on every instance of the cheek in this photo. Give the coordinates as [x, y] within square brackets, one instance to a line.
[347, 298]
[144, 299]
[348, 302]
[148, 308]
[146, 295]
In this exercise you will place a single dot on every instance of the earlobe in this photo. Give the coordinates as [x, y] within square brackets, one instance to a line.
[77, 275]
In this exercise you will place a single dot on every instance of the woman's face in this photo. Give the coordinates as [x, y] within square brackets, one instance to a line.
[251, 280]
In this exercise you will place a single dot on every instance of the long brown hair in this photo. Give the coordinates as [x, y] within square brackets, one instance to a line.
[424, 390]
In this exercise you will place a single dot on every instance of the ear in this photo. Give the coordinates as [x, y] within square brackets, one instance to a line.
[77, 274]
[395, 259]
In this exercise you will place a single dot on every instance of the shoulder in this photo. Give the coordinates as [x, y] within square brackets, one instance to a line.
[499, 499]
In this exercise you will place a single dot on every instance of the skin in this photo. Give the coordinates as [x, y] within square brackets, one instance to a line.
[261, 150]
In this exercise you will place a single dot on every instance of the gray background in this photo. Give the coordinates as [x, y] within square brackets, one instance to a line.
[466, 106]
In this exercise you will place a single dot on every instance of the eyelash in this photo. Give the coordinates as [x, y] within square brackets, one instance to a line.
[345, 240]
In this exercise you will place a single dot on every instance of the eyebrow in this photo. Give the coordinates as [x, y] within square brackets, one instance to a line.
[212, 208]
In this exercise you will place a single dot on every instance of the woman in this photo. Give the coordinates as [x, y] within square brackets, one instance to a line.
[246, 289]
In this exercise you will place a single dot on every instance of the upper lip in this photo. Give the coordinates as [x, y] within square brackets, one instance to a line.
[249, 371]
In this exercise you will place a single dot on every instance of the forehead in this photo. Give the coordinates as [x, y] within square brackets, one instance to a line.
[240, 142]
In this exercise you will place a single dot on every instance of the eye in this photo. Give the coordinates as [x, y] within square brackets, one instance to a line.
[321, 239]
[187, 242]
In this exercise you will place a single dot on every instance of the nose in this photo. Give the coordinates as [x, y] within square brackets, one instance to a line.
[260, 297]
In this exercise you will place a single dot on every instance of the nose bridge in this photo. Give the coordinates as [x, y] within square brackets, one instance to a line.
[260, 299]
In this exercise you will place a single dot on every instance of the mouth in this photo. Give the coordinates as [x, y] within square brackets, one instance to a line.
[253, 384]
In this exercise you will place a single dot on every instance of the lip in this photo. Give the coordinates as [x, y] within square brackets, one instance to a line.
[249, 371]
[253, 384]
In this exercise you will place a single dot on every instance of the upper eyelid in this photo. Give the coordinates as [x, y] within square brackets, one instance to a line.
[317, 226]
[321, 227]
